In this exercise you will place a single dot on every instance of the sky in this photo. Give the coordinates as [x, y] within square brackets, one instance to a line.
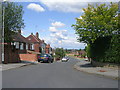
[52, 19]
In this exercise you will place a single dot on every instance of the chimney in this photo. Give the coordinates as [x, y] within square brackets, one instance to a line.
[37, 35]
[43, 41]
[48, 44]
[31, 33]
[19, 31]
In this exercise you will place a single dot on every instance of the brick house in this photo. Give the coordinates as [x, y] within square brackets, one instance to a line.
[12, 50]
[21, 43]
[82, 52]
[43, 47]
[35, 42]
[48, 49]
[25, 49]
[39, 45]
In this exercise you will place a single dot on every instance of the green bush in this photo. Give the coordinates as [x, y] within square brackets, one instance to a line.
[84, 55]
[112, 55]
[75, 55]
[88, 50]
[60, 52]
[105, 49]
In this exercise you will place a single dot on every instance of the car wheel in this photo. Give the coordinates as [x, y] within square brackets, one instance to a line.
[52, 61]
[49, 61]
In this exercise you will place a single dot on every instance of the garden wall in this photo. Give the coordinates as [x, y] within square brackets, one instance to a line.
[28, 57]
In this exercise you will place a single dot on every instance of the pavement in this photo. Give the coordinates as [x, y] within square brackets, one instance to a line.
[54, 75]
[85, 66]
[8, 66]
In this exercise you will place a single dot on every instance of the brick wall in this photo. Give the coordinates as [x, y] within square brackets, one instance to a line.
[36, 47]
[28, 57]
[11, 54]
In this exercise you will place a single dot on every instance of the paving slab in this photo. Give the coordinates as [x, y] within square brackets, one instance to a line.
[13, 65]
[86, 66]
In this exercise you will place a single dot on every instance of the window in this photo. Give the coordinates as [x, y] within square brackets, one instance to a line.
[26, 46]
[21, 46]
[17, 45]
[32, 46]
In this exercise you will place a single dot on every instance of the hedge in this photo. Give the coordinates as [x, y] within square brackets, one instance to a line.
[105, 49]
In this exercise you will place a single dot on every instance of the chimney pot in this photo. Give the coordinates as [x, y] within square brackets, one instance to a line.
[37, 35]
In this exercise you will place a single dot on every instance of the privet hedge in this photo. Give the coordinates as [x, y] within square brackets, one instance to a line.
[105, 49]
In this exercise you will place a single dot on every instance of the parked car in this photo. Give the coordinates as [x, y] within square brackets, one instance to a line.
[45, 58]
[65, 59]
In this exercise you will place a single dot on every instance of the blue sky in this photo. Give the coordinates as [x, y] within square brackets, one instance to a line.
[53, 25]
[53, 20]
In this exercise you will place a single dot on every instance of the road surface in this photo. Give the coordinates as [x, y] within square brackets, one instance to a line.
[55, 75]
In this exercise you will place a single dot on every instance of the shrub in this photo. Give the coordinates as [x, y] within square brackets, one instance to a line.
[106, 49]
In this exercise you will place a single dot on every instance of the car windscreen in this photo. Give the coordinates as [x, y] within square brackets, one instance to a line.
[44, 55]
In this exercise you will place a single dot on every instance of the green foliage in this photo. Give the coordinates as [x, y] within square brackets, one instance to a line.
[60, 52]
[97, 21]
[112, 55]
[83, 55]
[88, 50]
[99, 27]
[106, 49]
[12, 19]
[99, 47]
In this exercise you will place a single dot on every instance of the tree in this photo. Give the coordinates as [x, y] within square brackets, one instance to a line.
[13, 21]
[97, 21]
[60, 52]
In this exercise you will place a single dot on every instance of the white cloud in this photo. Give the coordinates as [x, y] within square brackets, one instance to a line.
[58, 24]
[52, 29]
[62, 38]
[65, 0]
[35, 7]
[65, 5]
[58, 35]
[72, 42]
[71, 5]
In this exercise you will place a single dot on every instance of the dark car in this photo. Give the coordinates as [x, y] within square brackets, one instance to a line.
[45, 58]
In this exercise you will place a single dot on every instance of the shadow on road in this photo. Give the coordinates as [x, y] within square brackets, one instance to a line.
[88, 65]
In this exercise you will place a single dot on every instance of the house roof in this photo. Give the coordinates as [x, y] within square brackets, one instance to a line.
[17, 37]
[48, 46]
[33, 39]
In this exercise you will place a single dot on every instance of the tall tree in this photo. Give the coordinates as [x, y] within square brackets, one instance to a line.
[97, 21]
[13, 21]
[60, 52]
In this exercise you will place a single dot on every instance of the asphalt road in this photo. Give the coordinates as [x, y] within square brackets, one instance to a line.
[55, 75]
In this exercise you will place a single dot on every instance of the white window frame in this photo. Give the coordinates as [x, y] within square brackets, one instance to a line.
[21, 46]
[17, 45]
[26, 46]
[32, 46]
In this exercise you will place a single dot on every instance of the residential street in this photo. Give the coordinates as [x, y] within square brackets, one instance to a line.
[55, 75]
